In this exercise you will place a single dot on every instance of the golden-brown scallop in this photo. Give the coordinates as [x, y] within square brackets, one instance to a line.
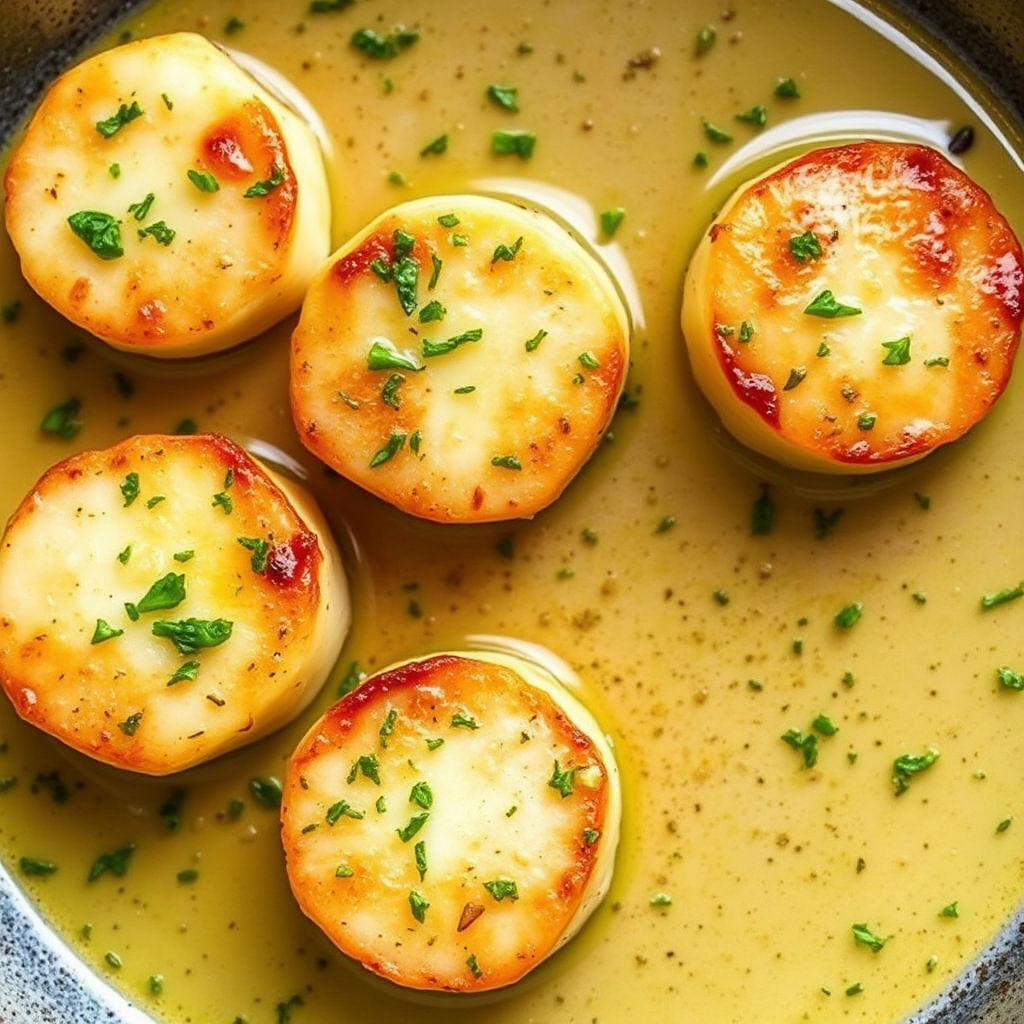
[453, 821]
[166, 202]
[855, 308]
[166, 600]
[460, 358]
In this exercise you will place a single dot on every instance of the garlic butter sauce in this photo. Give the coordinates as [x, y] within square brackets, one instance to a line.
[743, 869]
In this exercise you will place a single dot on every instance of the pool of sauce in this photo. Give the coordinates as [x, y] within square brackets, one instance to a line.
[698, 641]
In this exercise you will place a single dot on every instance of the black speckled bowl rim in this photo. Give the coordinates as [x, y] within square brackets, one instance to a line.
[41, 982]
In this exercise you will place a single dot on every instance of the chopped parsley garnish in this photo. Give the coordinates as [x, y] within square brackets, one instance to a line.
[507, 252]
[328, 6]
[383, 47]
[436, 263]
[36, 866]
[866, 421]
[705, 40]
[389, 392]
[266, 790]
[189, 635]
[849, 616]
[906, 766]
[1010, 679]
[418, 904]
[104, 631]
[460, 720]
[562, 779]
[950, 910]
[140, 210]
[448, 220]
[795, 378]
[762, 513]
[473, 965]
[130, 724]
[354, 675]
[531, 343]
[787, 89]
[126, 113]
[589, 360]
[130, 488]
[416, 822]
[757, 116]
[716, 134]
[826, 305]
[366, 765]
[259, 548]
[506, 462]
[342, 809]
[897, 352]
[265, 186]
[393, 446]
[166, 592]
[116, 863]
[937, 361]
[611, 219]
[62, 420]
[440, 348]
[863, 935]
[432, 311]
[203, 180]
[101, 232]
[502, 888]
[513, 143]
[746, 332]
[1002, 597]
[387, 727]
[805, 247]
[805, 745]
[504, 96]
[824, 725]
[384, 356]
[186, 672]
[422, 795]
[436, 146]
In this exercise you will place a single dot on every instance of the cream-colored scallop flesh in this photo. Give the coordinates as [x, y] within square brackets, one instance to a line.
[854, 308]
[165, 201]
[453, 821]
[460, 358]
[167, 600]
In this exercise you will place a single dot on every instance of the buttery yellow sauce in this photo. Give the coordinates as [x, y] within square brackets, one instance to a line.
[741, 872]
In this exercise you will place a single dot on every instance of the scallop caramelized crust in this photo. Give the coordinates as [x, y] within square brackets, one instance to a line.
[855, 308]
[164, 201]
[459, 358]
[166, 600]
[452, 822]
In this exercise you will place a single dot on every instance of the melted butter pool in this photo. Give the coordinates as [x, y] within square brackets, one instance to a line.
[698, 642]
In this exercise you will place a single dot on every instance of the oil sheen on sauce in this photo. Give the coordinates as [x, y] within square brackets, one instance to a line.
[699, 643]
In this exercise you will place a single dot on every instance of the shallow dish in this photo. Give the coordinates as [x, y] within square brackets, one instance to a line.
[691, 587]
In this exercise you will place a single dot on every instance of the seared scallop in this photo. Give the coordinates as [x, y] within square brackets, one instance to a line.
[855, 308]
[166, 600]
[164, 201]
[460, 358]
[453, 821]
